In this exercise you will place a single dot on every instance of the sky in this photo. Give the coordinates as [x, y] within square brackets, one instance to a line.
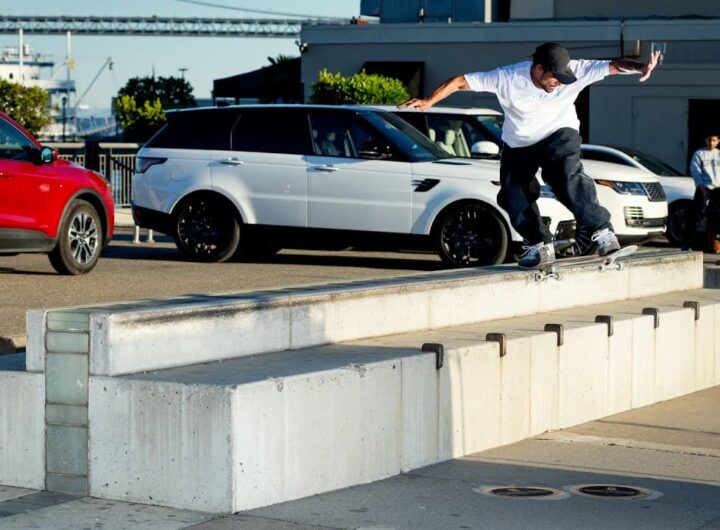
[206, 58]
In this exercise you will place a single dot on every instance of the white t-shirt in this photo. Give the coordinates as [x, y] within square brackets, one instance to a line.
[532, 114]
[705, 168]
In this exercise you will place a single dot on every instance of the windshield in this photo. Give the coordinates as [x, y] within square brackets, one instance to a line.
[414, 144]
[491, 125]
[651, 162]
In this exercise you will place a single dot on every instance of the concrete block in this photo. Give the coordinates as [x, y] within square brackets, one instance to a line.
[573, 290]
[620, 366]
[643, 361]
[22, 429]
[515, 391]
[35, 347]
[124, 343]
[68, 485]
[717, 346]
[651, 276]
[491, 298]
[161, 443]
[67, 450]
[337, 319]
[675, 354]
[706, 337]
[333, 429]
[419, 411]
[67, 378]
[543, 383]
[67, 342]
[67, 414]
[469, 391]
[583, 375]
[68, 320]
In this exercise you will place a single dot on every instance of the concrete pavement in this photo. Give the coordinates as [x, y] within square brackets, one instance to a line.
[669, 452]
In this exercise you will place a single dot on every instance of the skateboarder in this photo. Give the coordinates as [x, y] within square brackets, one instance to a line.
[541, 131]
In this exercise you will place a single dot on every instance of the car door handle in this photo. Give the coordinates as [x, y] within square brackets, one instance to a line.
[232, 162]
[325, 168]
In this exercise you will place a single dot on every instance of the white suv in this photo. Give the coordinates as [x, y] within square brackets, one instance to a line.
[260, 178]
[679, 188]
[635, 199]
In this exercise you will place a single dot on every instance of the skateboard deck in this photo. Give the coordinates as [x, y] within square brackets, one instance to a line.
[605, 263]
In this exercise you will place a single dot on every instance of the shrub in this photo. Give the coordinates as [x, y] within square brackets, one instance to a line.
[361, 88]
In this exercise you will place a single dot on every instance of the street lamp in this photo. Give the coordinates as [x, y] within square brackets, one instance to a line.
[182, 72]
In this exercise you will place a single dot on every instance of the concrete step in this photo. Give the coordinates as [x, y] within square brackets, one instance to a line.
[303, 417]
[258, 430]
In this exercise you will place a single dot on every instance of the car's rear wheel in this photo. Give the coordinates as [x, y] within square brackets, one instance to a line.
[79, 240]
[207, 230]
[471, 234]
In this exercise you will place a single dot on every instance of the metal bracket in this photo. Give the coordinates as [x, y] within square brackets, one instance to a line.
[439, 351]
[692, 304]
[559, 329]
[655, 313]
[606, 319]
[501, 339]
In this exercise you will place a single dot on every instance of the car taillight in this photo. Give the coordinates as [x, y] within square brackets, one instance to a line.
[144, 163]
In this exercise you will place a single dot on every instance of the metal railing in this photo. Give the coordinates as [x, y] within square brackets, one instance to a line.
[115, 161]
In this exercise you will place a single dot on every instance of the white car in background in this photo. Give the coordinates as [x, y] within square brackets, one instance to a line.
[679, 188]
[635, 198]
[258, 178]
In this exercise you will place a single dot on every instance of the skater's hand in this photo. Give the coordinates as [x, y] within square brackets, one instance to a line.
[416, 103]
[650, 66]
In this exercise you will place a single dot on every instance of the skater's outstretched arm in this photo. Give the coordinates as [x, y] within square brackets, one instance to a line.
[628, 66]
[443, 90]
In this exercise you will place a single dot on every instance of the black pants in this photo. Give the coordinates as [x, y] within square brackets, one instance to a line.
[559, 157]
[704, 223]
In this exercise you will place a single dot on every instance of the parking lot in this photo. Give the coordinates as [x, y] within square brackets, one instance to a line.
[128, 271]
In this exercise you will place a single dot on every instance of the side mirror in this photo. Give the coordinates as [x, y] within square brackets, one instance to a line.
[485, 149]
[371, 149]
[48, 155]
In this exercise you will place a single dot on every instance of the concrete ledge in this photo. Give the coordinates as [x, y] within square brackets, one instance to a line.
[137, 337]
[253, 431]
[22, 425]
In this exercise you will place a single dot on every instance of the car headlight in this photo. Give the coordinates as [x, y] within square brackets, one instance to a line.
[625, 188]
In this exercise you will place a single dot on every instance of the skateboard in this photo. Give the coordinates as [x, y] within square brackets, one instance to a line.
[605, 263]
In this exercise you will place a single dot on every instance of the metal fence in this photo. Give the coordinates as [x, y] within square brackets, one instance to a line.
[116, 162]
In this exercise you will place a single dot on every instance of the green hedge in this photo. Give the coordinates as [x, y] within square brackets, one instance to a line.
[362, 88]
[29, 106]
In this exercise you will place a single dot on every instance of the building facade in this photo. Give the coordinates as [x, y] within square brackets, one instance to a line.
[668, 116]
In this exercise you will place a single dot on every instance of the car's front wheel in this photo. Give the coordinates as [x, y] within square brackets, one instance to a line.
[206, 230]
[471, 234]
[79, 240]
[680, 215]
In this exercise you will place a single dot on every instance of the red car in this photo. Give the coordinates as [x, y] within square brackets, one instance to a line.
[50, 205]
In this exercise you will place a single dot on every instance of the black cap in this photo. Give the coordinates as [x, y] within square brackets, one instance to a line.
[554, 58]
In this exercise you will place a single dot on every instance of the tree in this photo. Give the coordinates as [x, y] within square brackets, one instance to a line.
[361, 88]
[29, 106]
[141, 104]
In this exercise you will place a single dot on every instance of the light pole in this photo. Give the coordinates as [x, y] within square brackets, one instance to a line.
[182, 71]
[64, 108]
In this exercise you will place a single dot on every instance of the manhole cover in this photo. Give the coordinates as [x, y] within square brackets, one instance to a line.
[614, 491]
[522, 492]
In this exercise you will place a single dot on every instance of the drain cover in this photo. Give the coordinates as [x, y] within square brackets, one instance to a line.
[522, 492]
[614, 491]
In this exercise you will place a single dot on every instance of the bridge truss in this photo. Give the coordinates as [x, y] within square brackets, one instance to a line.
[159, 26]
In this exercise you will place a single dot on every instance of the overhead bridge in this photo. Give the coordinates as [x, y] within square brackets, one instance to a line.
[160, 26]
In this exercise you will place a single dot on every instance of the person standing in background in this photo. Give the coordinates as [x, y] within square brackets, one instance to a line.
[705, 171]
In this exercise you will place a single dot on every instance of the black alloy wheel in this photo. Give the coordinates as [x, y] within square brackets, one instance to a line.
[679, 216]
[207, 230]
[472, 234]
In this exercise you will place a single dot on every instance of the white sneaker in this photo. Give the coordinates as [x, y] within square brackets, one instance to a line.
[606, 241]
[536, 255]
